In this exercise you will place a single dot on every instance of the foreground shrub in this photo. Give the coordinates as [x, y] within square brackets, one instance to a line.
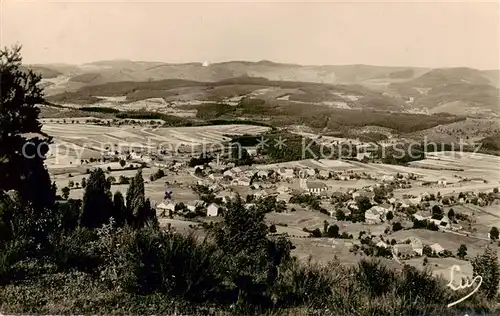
[149, 261]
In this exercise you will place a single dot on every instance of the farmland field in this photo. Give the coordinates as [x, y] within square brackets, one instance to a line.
[80, 141]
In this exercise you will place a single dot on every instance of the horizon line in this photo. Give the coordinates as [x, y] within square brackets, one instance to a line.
[251, 62]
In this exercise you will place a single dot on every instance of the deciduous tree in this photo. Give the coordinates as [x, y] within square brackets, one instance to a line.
[462, 251]
[487, 266]
[65, 193]
[494, 233]
[451, 214]
[339, 215]
[389, 216]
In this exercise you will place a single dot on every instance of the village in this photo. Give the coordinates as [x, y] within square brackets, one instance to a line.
[348, 208]
[327, 208]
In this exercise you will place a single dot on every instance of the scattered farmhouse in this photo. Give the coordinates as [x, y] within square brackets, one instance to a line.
[165, 208]
[417, 245]
[316, 187]
[286, 173]
[419, 217]
[387, 178]
[442, 182]
[376, 215]
[324, 174]
[229, 174]
[437, 248]
[213, 210]
[382, 244]
[243, 181]
[363, 156]
[403, 250]
[262, 174]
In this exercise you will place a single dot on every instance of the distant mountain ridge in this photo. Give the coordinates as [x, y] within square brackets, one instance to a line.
[126, 70]
[460, 90]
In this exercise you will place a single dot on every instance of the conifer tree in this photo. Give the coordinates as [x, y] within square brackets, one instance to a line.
[135, 194]
[138, 207]
[97, 206]
[119, 210]
[21, 159]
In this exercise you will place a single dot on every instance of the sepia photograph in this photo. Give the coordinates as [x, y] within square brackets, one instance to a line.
[250, 157]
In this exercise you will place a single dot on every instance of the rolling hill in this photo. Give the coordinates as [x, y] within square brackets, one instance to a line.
[176, 91]
[460, 91]
[124, 70]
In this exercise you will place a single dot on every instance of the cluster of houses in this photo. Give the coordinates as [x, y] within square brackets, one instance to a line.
[168, 208]
[284, 183]
[412, 247]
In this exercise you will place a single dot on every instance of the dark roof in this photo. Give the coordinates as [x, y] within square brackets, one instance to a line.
[316, 185]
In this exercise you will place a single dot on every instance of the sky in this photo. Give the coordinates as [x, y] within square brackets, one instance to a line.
[389, 33]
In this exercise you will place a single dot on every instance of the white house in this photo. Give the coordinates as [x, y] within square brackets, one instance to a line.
[213, 177]
[262, 173]
[165, 208]
[351, 205]
[213, 210]
[229, 173]
[260, 193]
[375, 215]
[134, 155]
[387, 178]
[244, 181]
[252, 151]
[191, 206]
[324, 174]
[286, 173]
[437, 248]
[419, 217]
[417, 245]
[310, 172]
[411, 201]
[363, 156]
[442, 182]
[382, 244]
[256, 186]
[249, 205]
[316, 187]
